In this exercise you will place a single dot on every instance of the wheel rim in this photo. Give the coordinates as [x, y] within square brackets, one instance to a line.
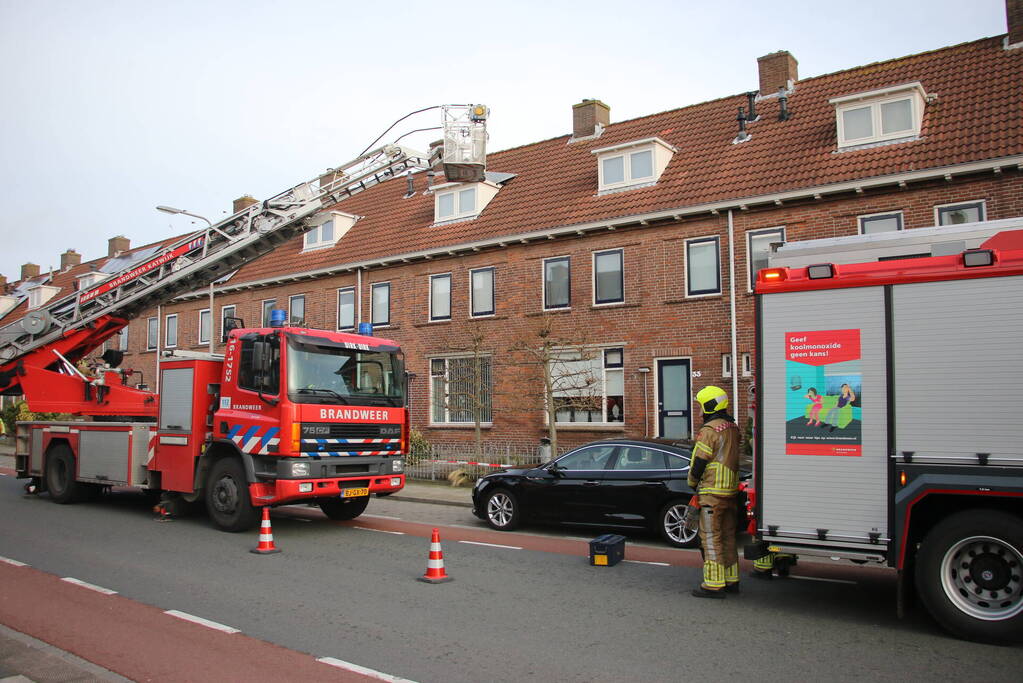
[225, 495]
[500, 509]
[981, 576]
[675, 524]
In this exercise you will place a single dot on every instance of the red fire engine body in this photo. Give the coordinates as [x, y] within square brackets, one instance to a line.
[887, 426]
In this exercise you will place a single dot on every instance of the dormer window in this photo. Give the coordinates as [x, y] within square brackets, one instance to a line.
[884, 115]
[333, 227]
[40, 294]
[463, 201]
[90, 280]
[632, 164]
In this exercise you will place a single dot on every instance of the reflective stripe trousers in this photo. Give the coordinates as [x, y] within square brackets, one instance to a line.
[717, 538]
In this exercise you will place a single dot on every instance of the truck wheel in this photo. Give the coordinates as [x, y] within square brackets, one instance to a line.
[341, 509]
[227, 497]
[969, 575]
[60, 475]
[673, 525]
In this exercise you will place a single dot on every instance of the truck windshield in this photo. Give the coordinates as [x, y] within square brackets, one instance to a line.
[332, 372]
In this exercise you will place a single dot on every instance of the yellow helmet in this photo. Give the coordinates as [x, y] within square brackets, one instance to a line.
[712, 399]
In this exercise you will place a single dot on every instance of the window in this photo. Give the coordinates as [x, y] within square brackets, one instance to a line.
[440, 297]
[205, 322]
[346, 308]
[954, 214]
[608, 280]
[703, 267]
[589, 386]
[268, 306]
[247, 372]
[747, 365]
[639, 458]
[880, 222]
[726, 365]
[225, 313]
[636, 163]
[758, 248]
[320, 236]
[587, 459]
[380, 313]
[456, 204]
[879, 115]
[152, 333]
[171, 336]
[296, 310]
[122, 340]
[461, 390]
[481, 291]
[556, 281]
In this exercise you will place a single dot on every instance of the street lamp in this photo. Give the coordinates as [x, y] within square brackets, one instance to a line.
[172, 210]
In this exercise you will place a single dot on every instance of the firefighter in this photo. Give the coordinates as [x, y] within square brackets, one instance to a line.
[714, 475]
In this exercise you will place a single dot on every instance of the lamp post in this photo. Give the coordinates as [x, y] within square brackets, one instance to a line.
[172, 210]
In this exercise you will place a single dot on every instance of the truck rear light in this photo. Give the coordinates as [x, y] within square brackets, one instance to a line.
[772, 275]
[820, 271]
[978, 257]
[902, 478]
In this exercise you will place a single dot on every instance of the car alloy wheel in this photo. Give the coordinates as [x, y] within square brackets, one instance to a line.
[675, 525]
[502, 510]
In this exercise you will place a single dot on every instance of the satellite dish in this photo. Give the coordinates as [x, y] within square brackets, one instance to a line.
[36, 322]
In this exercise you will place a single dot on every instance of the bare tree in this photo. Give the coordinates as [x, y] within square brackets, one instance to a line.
[554, 357]
[467, 386]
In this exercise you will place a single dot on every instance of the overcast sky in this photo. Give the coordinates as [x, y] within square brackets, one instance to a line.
[109, 108]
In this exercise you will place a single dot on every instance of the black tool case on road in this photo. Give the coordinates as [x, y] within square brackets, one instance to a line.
[607, 550]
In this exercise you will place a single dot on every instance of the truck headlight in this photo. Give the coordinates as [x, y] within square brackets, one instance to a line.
[397, 465]
[300, 469]
[306, 487]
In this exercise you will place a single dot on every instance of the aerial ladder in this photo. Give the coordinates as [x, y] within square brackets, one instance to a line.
[38, 352]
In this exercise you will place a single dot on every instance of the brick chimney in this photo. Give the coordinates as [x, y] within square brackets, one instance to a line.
[777, 70]
[70, 259]
[116, 245]
[1014, 21]
[244, 202]
[587, 115]
[3, 285]
[29, 270]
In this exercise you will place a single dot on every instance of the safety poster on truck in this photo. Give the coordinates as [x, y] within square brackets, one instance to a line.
[823, 392]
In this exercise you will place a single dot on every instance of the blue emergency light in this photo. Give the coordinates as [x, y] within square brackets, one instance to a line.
[278, 317]
[366, 329]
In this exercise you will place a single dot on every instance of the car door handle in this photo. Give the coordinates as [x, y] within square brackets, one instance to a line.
[591, 482]
[652, 483]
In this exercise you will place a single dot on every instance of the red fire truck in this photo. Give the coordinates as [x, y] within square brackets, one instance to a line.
[888, 427]
[285, 415]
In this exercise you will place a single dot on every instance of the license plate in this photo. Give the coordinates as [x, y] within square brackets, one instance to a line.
[354, 493]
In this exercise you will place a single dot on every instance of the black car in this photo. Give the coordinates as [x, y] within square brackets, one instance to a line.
[612, 483]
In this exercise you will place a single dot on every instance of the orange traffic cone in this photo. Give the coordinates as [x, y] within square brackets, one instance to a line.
[266, 536]
[435, 565]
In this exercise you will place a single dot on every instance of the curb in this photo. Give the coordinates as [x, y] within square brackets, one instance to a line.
[435, 501]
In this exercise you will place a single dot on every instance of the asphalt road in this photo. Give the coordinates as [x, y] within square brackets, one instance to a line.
[533, 610]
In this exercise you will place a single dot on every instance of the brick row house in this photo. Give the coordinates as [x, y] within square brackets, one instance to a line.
[638, 241]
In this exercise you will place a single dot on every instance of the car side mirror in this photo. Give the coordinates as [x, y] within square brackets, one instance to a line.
[555, 469]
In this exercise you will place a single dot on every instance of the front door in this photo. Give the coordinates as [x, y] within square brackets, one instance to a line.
[674, 398]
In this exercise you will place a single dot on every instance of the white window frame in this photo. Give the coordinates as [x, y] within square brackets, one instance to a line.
[209, 332]
[882, 214]
[621, 273]
[726, 365]
[291, 303]
[602, 361]
[355, 322]
[942, 208]
[167, 342]
[874, 99]
[224, 315]
[373, 303]
[747, 365]
[437, 277]
[493, 292]
[313, 238]
[264, 313]
[751, 277]
[543, 283]
[122, 342]
[685, 258]
[660, 154]
[447, 422]
[457, 210]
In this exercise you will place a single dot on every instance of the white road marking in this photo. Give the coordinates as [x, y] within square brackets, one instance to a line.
[815, 578]
[202, 622]
[380, 531]
[13, 562]
[493, 545]
[355, 668]
[656, 564]
[382, 517]
[90, 586]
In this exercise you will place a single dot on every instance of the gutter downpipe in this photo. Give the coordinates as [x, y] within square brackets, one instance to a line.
[358, 298]
[731, 297]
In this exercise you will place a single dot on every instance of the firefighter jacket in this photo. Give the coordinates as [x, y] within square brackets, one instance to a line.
[718, 444]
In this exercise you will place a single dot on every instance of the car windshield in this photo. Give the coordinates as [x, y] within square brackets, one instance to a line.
[330, 372]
